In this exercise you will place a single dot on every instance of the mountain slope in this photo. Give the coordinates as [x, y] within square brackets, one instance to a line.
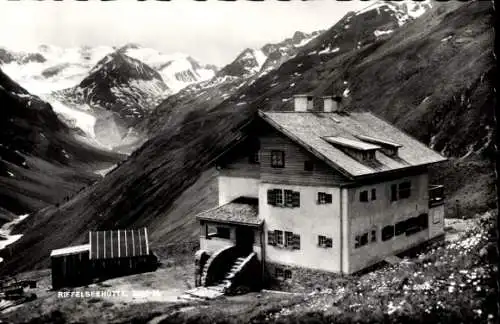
[452, 73]
[40, 161]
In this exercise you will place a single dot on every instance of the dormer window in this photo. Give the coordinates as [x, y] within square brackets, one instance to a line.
[386, 147]
[357, 149]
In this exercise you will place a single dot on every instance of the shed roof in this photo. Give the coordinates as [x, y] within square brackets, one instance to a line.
[309, 129]
[77, 249]
[118, 243]
[243, 210]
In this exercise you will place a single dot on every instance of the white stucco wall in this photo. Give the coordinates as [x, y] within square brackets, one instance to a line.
[231, 188]
[365, 216]
[309, 220]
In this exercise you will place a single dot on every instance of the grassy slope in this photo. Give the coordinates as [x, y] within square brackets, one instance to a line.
[143, 189]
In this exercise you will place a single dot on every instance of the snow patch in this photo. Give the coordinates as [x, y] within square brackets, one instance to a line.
[379, 33]
[447, 38]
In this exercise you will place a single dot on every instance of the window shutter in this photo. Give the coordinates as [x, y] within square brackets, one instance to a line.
[270, 238]
[289, 198]
[296, 242]
[295, 199]
[271, 197]
[328, 243]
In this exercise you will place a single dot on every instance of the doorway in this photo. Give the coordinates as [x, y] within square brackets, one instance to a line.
[245, 239]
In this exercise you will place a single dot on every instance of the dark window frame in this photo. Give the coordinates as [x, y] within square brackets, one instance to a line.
[288, 239]
[325, 242]
[279, 237]
[363, 196]
[324, 198]
[277, 159]
[404, 190]
[387, 233]
[394, 192]
[279, 273]
[308, 165]
[400, 228]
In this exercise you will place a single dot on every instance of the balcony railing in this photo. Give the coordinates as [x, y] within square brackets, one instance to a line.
[436, 195]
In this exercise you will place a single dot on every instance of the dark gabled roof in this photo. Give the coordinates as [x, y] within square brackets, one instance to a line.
[244, 211]
[118, 243]
[310, 130]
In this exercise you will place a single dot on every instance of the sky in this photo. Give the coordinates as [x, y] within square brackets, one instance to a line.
[212, 31]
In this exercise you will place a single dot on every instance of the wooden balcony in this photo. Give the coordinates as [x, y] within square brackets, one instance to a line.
[436, 195]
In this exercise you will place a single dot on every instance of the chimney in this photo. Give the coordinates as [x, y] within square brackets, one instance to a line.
[328, 104]
[302, 103]
[332, 103]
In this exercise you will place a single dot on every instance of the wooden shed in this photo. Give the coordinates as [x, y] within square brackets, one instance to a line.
[109, 254]
[70, 266]
[120, 252]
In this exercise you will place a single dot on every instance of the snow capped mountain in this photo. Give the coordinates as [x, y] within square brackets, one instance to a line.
[177, 70]
[270, 56]
[50, 68]
[120, 85]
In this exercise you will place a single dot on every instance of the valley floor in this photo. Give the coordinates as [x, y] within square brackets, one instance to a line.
[450, 282]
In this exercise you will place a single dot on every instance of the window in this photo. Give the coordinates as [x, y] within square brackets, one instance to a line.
[275, 197]
[373, 236]
[374, 194]
[400, 228]
[223, 232]
[387, 232]
[218, 231]
[254, 158]
[363, 196]
[279, 273]
[367, 156]
[394, 192]
[295, 242]
[361, 240]
[278, 237]
[288, 198]
[277, 159]
[271, 238]
[404, 190]
[291, 198]
[324, 198]
[324, 241]
[308, 165]
[288, 274]
[289, 239]
[423, 221]
[295, 199]
[412, 226]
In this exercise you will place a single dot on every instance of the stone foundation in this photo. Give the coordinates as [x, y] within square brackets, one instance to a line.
[302, 279]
